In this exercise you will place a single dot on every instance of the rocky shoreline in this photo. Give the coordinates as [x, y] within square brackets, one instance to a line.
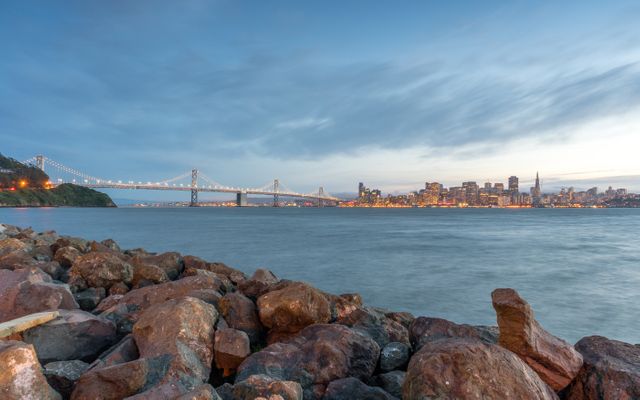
[116, 324]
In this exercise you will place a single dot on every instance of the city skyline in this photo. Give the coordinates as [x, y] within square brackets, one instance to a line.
[389, 94]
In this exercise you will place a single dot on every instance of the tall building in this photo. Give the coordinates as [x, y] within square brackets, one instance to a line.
[432, 192]
[513, 184]
[536, 192]
[471, 192]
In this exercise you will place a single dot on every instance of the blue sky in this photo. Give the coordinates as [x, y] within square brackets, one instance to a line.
[326, 93]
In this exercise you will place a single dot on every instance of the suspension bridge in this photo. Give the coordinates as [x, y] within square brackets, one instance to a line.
[193, 181]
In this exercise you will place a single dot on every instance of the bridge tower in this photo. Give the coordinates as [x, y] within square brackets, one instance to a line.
[194, 188]
[320, 196]
[276, 197]
[40, 162]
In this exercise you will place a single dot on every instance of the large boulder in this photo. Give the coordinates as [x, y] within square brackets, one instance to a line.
[263, 386]
[391, 382]
[89, 299]
[182, 330]
[259, 283]
[317, 355]
[555, 360]
[375, 324]
[471, 369]
[424, 330]
[11, 245]
[192, 262]
[240, 313]
[144, 274]
[66, 256]
[231, 347]
[113, 383]
[62, 375]
[394, 355]
[354, 389]
[124, 351]
[292, 308]
[21, 376]
[126, 310]
[74, 335]
[102, 269]
[611, 370]
[171, 263]
[202, 392]
[28, 291]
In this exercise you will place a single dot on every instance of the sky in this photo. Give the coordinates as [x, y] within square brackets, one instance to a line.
[326, 93]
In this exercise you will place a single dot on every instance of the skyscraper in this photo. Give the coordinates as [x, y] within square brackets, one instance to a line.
[536, 192]
[513, 184]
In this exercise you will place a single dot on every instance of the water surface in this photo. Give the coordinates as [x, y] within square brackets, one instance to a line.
[578, 268]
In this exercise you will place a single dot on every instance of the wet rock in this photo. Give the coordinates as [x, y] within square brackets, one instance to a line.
[611, 370]
[21, 375]
[293, 308]
[394, 355]
[90, 298]
[62, 375]
[112, 383]
[471, 369]
[124, 351]
[317, 355]
[181, 329]
[264, 386]
[354, 389]
[118, 288]
[102, 269]
[202, 392]
[391, 382]
[231, 348]
[66, 256]
[555, 360]
[126, 310]
[240, 313]
[171, 263]
[258, 284]
[376, 325]
[424, 330]
[74, 335]
[28, 291]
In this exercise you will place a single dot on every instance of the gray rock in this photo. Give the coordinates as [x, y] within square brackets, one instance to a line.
[391, 382]
[90, 298]
[395, 355]
[354, 389]
[62, 375]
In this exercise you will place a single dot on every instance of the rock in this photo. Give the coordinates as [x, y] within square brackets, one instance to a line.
[51, 268]
[471, 369]
[65, 256]
[394, 355]
[225, 391]
[102, 269]
[241, 313]
[90, 298]
[126, 310]
[124, 351]
[21, 377]
[231, 348]
[424, 330]
[391, 382]
[148, 273]
[317, 355]
[293, 308]
[28, 291]
[112, 383]
[79, 243]
[354, 389]
[118, 288]
[74, 335]
[262, 385]
[171, 263]
[611, 370]
[376, 325]
[202, 392]
[62, 375]
[403, 318]
[258, 284]
[111, 244]
[42, 253]
[344, 304]
[181, 329]
[12, 245]
[219, 268]
[555, 360]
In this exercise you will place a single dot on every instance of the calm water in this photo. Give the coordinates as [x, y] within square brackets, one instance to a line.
[580, 269]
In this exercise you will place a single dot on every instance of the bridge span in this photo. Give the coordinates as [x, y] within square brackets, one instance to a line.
[193, 181]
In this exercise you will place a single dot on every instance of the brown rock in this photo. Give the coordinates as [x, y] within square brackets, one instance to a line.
[233, 274]
[118, 288]
[181, 329]
[424, 330]
[148, 272]
[317, 355]
[611, 371]
[11, 245]
[555, 360]
[28, 291]
[403, 318]
[66, 256]
[354, 389]
[78, 243]
[471, 369]
[241, 313]
[102, 269]
[293, 308]
[375, 324]
[124, 351]
[111, 244]
[126, 310]
[258, 284]
[112, 383]
[171, 263]
[231, 348]
[21, 376]
[74, 335]
[257, 386]
[202, 392]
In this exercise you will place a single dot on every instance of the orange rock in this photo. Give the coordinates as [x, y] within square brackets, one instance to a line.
[21, 375]
[112, 383]
[102, 269]
[241, 313]
[555, 360]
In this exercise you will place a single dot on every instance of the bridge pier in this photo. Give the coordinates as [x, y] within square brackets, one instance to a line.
[241, 199]
[194, 188]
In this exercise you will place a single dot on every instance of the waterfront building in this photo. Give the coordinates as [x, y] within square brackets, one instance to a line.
[513, 184]
[471, 192]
